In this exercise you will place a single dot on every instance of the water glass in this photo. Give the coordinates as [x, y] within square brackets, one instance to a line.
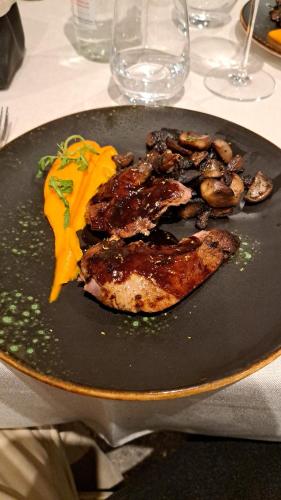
[150, 48]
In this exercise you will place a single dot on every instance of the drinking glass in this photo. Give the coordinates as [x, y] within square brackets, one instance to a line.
[240, 83]
[150, 49]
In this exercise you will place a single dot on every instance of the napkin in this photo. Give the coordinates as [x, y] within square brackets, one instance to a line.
[11, 41]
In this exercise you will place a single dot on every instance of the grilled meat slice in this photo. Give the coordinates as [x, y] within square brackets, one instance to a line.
[132, 202]
[149, 277]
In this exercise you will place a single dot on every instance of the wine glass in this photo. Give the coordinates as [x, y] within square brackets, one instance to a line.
[238, 83]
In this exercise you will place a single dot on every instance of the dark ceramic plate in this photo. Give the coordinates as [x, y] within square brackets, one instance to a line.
[263, 25]
[227, 328]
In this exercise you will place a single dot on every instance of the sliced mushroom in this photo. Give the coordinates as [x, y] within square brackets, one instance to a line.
[186, 176]
[247, 179]
[236, 164]
[223, 149]
[220, 194]
[203, 218]
[157, 138]
[237, 186]
[156, 141]
[123, 160]
[167, 162]
[198, 156]
[216, 193]
[212, 168]
[227, 178]
[191, 209]
[260, 188]
[217, 213]
[176, 147]
[195, 140]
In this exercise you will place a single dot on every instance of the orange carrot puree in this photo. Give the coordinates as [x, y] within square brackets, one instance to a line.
[85, 184]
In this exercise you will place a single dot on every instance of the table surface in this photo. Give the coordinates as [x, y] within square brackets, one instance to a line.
[55, 81]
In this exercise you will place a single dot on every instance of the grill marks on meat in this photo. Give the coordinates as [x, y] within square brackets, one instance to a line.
[132, 202]
[148, 277]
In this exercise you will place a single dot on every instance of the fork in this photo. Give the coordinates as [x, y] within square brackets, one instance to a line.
[4, 122]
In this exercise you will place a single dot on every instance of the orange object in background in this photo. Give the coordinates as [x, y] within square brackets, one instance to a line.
[274, 39]
[85, 184]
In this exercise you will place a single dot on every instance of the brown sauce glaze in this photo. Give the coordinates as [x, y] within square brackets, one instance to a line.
[176, 269]
[142, 203]
[124, 183]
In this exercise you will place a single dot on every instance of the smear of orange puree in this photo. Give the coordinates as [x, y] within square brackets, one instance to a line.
[85, 184]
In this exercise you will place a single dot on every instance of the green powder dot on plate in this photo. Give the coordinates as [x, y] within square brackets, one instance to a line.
[41, 332]
[34, 306]
[145, 318]
[7, 320]
[2, 341]
[37, 311]
[135, 323]
[47, 337]
[26, 313]
[29, 350]
[247, 255]
[14, 348]
[12, 308]
[18, 294]
[29, 297]
[2, 332]
[34, 341]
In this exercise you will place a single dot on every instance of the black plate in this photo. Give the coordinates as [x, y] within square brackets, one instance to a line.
[226, 329]
[262, 26]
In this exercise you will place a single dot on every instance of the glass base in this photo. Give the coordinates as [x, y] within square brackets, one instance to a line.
[158, 100]
[203, 19]
[122, 97]
[231, 84]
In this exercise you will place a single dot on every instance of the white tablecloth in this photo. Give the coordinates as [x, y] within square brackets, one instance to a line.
[54, 81]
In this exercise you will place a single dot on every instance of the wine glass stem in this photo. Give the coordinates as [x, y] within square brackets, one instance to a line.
[242, 72]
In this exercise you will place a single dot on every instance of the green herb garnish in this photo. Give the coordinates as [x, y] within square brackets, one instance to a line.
[62, 187]
[67, 157]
